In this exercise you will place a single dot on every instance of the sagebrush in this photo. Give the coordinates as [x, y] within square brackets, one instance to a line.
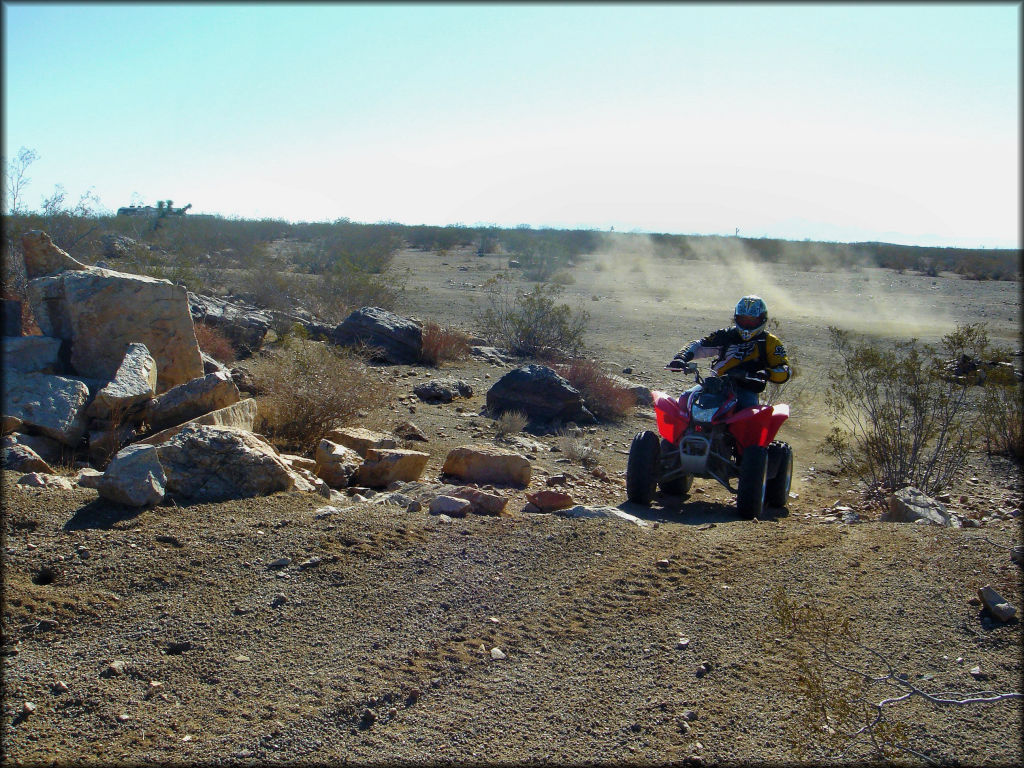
[309, 388]
[440, 344]
[534, 322]
[901, 420]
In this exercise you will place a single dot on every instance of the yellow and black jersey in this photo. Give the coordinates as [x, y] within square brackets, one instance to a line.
[764, 352]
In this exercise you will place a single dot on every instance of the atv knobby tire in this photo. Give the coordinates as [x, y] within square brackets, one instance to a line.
[750, 491]
[642, 467]
[780, 465]
[679, 485]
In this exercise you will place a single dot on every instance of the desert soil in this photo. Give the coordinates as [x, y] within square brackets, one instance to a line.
[174, 634]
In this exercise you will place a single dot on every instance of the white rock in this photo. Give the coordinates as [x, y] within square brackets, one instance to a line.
[497, 654]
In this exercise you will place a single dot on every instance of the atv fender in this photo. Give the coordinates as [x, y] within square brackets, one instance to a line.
[758, 425]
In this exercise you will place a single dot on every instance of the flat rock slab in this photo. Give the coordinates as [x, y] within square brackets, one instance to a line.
[240, 415]
[584, 511]
[360, 440]
[487, 464]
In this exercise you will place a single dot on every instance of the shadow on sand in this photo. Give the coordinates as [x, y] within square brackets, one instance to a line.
[673, 509]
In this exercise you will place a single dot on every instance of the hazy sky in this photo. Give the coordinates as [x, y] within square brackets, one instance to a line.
[829, 122]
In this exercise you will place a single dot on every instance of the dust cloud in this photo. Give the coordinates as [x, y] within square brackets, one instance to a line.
[806, 285]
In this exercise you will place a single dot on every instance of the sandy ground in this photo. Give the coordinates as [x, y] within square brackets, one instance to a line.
[170, 635]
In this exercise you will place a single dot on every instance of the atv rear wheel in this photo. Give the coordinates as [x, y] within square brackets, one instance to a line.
[642, 467]
[751, 484]
[780, 462]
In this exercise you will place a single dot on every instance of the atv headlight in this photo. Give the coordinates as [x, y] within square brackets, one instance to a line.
[700, 413]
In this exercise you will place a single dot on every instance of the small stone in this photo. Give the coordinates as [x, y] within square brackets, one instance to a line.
[278, 600]
[497, 654]
[281, 562]
[703, 669]
[689, 714]
[997, 606]
[241, 657]
[663, 563]
[60, 687]
[975, 672]
[27, 708]
[682, 644]
[124, 717]
[114, 669]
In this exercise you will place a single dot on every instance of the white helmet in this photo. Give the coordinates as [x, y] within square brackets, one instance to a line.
[750, 317]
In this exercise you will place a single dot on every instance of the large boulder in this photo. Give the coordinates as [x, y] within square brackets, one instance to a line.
[192, 399]
[240, 415]
[32, 354]
[132, 387]
[442, 390]
[101, 311]
[487, 464]
[42, 257]
[395, 339]
[135, 477]
[540, 393]
[52, 405]
[336, 464]
[383, 466]
[360, 440]
[208, 463]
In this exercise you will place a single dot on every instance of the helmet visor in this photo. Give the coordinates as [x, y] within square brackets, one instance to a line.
[748, 322]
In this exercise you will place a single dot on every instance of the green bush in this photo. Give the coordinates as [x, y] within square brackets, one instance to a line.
[901, 419]
[532, 323]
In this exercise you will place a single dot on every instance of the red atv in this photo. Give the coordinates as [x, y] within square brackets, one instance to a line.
[704, 434]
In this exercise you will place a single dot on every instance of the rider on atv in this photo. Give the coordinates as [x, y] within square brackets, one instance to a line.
[747, 353]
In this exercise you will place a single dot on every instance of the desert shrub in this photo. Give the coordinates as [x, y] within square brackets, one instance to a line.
[511, 422]
[901, 419]
[602, 395]
[309, 388]
[442, 344]
[530, 323]
[213, 342]
[1002, 414]
[574, 444]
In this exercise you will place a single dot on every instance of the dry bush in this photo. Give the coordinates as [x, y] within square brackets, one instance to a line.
[310, 388]
[605, 398]
[573, 443]
[442, 344]
[213, 342]
[533, 322]
[902, 419]
[511, 422]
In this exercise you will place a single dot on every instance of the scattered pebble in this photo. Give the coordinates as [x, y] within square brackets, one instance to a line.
[497, 654]
[114, 669]
[27, 708]
[281, 562]
[682, 644]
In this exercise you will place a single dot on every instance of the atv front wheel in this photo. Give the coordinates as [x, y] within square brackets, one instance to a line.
[642, 467]
[680, 484]
[751, 484]
[780, 461]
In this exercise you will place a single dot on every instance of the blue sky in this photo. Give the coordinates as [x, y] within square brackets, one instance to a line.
[833, 122]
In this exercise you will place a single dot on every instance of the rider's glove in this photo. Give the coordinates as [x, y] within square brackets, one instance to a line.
[677, 364]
